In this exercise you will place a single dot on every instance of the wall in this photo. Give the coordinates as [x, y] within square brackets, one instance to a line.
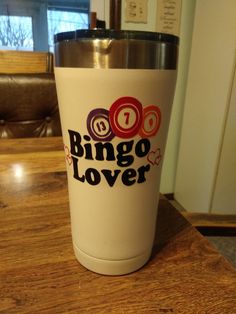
[208, 93]
[100, 7]
[223, 200]
[172, 147]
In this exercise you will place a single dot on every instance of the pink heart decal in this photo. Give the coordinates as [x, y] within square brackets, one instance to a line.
[68, 155]
[154, 157]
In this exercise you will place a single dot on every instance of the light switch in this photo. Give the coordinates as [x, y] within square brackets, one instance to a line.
[136, 11]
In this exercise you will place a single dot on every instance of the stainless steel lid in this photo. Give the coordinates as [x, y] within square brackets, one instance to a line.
[99, 48]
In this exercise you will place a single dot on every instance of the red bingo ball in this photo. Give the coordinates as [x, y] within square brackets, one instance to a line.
[126, 117]
[151, 121]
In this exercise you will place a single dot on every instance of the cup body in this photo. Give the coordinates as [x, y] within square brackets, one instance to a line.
[115, 92]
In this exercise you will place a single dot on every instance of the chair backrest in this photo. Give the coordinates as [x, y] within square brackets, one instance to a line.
[28, 98]
[12, 61]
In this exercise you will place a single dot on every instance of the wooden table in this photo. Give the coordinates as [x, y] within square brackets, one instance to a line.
[38, 270]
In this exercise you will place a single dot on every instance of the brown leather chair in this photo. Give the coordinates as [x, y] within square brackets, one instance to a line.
[28, 99]
[28, 106]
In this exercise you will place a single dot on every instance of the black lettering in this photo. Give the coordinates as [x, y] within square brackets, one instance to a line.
[88, 151]
[127, 175]
[124, 148]
[87, 138]
[142, 148]
[88, 148]
[75, 144]
[141, 173]
[92, 176]
[111, 179]
[100, 151]
[76, 171]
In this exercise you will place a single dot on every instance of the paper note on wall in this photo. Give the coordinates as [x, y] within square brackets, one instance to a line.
[168, 16]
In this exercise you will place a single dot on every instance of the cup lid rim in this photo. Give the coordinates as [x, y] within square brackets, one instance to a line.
[114, 34]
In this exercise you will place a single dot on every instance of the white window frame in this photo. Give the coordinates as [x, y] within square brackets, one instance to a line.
[37, 10]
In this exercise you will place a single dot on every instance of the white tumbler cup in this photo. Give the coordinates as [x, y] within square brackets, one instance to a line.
[115, 92]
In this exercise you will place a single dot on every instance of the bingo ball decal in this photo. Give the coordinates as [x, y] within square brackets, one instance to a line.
[126, 117]
[151, 121]
[98, 125]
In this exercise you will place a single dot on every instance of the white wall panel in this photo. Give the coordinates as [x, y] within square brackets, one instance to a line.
[206, 103]
[224, 196]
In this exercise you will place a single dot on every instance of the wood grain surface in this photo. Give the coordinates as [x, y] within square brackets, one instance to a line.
[12, 61]
[211, 220]
[38, 270]
[207, 224]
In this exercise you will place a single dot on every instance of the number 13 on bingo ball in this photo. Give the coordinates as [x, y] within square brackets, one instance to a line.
[128, 118]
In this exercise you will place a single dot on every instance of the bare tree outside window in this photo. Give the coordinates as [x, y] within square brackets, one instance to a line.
[63, 21]
[16, 32]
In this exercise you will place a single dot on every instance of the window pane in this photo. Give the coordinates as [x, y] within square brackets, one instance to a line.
[16, 32]
[63, 21]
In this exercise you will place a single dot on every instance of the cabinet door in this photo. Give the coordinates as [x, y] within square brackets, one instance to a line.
[224, 195]
[206, 107]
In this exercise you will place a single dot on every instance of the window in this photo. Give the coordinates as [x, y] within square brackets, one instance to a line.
[16, 32]
[62, 21]
[31, 24]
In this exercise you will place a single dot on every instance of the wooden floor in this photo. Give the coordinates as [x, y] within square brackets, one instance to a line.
[220, 230]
